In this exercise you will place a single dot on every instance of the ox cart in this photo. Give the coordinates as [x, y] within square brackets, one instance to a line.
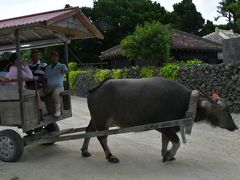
[19, 110]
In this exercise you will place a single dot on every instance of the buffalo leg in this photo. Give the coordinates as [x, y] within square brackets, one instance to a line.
[84, 149]
[165, 142]
[172, 136]
[109, 156]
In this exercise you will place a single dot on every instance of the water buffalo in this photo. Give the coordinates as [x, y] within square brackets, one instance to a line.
[131, 102]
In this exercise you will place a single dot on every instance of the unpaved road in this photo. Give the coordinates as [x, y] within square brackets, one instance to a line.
[209, 154]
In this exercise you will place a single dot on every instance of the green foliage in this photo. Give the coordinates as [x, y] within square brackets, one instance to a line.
[186, 17]
[152, 41]
[5, 55]
[26, 56]
[118, 18]
[190, 63]
[72, 78]
[72, 66]
[148, 71]
[171, 70]
[208, 28]
[102, 75]
[229, 9]
[235, 7]
[120, 73]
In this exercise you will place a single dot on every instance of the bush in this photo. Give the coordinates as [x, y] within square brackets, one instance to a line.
[171, 70]
[72, 78]
[120, 73]
[190, 63]
[117, 74]
[150, 42]
[102, 75]
[148, 71]
[72, 66]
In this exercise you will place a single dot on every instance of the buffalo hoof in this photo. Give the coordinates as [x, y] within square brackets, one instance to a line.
[113, 159]
[168, 157]
[86, 154]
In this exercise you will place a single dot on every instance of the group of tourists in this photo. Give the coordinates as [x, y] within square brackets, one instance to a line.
[50, 78]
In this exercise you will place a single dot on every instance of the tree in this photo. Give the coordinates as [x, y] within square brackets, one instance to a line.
[115, 19]
[119, 18]
[208, 28]
[236, 14]
[151, 42]
[186, 17]
[229, 9]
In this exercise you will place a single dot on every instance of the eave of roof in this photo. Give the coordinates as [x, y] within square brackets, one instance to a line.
[64, 24]
[34, 18]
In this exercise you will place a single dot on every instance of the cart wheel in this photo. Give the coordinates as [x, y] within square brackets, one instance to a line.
[11, 145]
[53, 127]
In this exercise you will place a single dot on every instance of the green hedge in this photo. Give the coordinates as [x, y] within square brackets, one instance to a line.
[72, 66]
[72, 78]
[148, 71]
[169, 70]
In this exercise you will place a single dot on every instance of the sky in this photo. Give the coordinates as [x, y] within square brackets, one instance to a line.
[14, 8]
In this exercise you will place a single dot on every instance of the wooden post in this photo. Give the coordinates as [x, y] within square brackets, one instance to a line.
[66, 62]
[19, 73]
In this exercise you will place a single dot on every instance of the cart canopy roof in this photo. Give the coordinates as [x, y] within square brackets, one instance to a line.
[47, 29]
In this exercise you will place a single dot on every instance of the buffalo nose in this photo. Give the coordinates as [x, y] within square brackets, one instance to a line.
[236, 128]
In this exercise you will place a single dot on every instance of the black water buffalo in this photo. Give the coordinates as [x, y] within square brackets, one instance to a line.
[131, 102]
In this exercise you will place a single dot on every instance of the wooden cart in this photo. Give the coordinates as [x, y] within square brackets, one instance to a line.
[18, 110]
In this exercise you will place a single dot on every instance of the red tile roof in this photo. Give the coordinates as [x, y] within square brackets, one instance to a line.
[184, 40]
[36, 18]
[47, 28]
[180, 41]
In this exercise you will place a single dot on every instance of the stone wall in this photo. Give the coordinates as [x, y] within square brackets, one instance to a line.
[82, 84]
[231, 50]
[223, 79]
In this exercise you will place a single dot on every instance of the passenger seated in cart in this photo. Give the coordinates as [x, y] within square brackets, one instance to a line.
[38, 70]
[12, 76]
[54, 75]
[12, 73]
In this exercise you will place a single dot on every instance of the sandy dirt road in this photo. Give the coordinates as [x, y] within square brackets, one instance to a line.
[210, 154]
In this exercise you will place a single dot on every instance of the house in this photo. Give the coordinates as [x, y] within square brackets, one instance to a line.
[184, 46]
[219, 35]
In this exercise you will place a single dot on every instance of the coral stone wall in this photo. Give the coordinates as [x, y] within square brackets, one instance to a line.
[223, 79]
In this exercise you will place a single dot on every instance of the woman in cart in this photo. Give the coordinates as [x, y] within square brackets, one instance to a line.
[13, 75]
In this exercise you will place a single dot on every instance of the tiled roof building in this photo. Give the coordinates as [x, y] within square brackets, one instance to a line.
[219, 35]
[184, 46]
